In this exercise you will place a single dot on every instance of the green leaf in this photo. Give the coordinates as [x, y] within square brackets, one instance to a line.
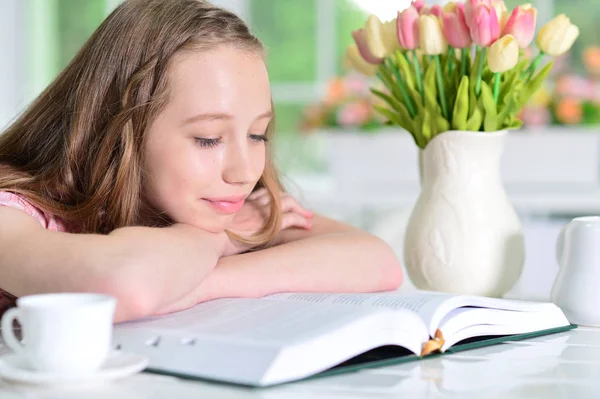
[394, 117]
[521, 65]
[473, 71]
[472, 81]
[418, 100]
[407, 72]
[418, 124]
[441, 124]
[474, 122]
[426, 131]
[426, 61]
[385, 76]
[430, 89]
[461, 106]
[508, 110]
[395, 104]
[515, 124]
[490, 121]
[513, 84]
[469, 63]
[534, 84]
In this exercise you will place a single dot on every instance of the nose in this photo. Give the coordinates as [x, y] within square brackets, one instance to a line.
[237, 165]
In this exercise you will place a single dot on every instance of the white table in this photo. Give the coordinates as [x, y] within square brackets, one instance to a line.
[565, 365]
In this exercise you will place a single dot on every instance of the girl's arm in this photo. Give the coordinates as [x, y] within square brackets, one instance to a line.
[329, 257]
[144, 268]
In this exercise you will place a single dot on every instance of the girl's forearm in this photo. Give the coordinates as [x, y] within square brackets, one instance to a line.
[160, 266]
[339, 262]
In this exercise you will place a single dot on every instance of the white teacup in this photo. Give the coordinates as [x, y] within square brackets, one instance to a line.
[62, 333]
[576, 289]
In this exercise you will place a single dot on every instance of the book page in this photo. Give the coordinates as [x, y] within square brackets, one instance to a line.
[247, 318]
[432, 307]
[470, 322]
[257, 341]
[423, 303]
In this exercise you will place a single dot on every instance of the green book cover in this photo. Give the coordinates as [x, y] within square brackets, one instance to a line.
[388, 359]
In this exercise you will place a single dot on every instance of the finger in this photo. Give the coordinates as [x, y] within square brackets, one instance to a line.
[257, 193]
[289, 203]
[292, 219]
[263, 200]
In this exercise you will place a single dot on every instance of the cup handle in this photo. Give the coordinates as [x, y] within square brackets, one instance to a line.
[8, 335]
[560, 244]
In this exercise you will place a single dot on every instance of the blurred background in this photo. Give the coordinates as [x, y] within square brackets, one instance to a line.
[334, 153]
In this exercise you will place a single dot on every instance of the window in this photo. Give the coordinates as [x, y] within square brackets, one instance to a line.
[58, 29]
[585, 14]
[306, 40]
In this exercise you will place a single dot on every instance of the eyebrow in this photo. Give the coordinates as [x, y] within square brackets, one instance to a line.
[210, 117]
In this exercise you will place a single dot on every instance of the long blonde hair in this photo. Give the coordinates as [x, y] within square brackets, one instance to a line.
[76, 151]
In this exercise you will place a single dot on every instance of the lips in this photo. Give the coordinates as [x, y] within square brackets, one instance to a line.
[226, 205]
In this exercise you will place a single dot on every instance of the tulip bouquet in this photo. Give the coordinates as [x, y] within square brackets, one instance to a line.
[457, 67]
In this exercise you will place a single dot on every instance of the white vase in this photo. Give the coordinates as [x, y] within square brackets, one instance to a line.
[463, 235]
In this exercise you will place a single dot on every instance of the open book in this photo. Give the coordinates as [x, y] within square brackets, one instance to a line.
[287, 337]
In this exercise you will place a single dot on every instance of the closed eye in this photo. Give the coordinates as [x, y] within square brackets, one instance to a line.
[259, 138]
[207, 143]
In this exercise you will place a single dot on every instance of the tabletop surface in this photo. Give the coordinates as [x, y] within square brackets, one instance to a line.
[564, 365]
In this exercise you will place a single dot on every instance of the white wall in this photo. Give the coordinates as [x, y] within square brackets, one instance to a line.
[13, 65]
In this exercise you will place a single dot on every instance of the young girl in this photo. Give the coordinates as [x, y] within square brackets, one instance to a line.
[143, 171]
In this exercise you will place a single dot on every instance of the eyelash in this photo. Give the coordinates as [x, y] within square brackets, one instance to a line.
[210, 143]
[259, 137]
[207, 143]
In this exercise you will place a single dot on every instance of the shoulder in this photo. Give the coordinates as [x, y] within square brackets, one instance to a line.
[18, 201]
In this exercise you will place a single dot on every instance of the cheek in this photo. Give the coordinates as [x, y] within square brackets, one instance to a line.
[179, 174]
[258, 162]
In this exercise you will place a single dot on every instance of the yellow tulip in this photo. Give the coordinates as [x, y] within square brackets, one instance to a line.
[431, 37]
[382, 38]
[501, 12]
[557, 36]
[503, 54]
[353, 60]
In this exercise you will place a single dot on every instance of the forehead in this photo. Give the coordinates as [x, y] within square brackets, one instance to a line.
[225, 79]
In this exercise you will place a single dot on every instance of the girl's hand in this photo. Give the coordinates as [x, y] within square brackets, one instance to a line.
[251, 218]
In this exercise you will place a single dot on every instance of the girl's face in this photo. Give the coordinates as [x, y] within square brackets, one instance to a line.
[206, 150]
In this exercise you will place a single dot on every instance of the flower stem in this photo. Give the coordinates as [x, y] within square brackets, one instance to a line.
[532, 66]
[496, 86]
[449, 62]
[440, 83]
[480, 70]
[417, 67]
[464, 58]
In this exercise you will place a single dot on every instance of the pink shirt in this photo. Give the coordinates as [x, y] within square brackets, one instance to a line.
[46, 220]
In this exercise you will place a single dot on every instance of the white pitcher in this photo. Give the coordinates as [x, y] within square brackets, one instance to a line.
[464, 235]
[576, 289]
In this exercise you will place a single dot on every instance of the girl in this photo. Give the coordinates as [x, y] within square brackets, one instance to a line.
[143, 172]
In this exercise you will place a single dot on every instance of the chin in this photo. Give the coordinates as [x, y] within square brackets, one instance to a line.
[217, 226]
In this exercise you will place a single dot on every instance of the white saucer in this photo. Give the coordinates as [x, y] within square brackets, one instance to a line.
[14, 367]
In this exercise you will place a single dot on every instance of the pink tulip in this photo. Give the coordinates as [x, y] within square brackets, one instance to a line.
[408, 28]
[361, 42]
[521, 25]
[484, 27]
[455, 27]
[437, 10]
[433, 10]
[418, 4]
[471, 5]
